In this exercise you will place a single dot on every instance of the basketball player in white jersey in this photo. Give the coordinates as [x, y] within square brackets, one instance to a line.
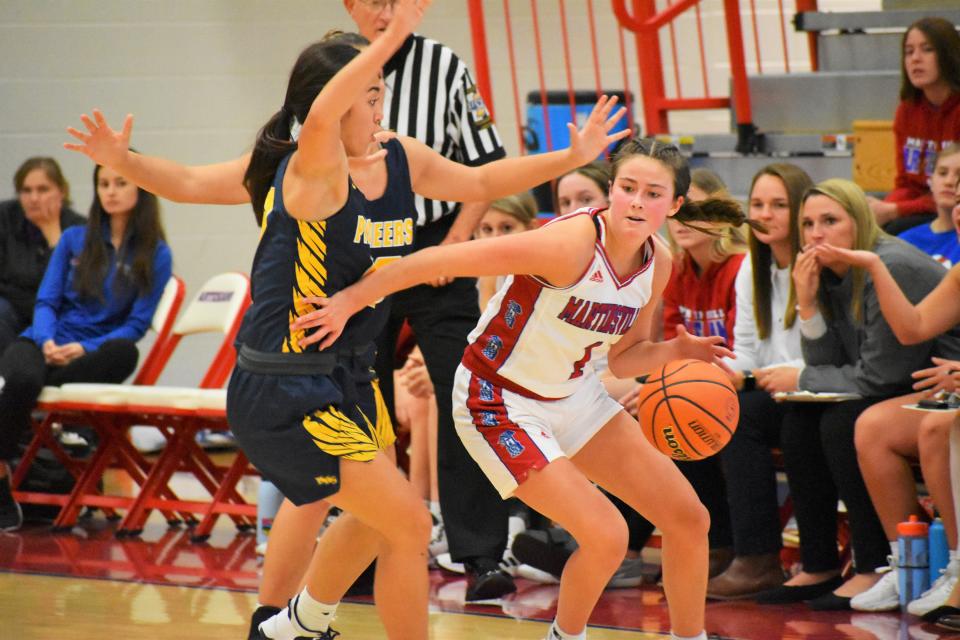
[529, 407]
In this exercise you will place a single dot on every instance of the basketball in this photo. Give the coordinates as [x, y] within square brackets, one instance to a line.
[688, 409]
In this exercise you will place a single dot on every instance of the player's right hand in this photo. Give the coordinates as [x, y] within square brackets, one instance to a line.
[101, 144]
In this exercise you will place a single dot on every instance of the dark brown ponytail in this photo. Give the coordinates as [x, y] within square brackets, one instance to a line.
[716, 210]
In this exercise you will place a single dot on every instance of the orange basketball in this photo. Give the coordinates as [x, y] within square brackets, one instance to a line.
[688, 409]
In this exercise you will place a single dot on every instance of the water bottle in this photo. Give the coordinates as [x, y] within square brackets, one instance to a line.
[939, 550]
[913, 571]
[268, 503]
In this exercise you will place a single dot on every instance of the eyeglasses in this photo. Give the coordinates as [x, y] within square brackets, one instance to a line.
[379, 5]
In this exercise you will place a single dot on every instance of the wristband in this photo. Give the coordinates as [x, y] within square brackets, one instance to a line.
[749, 380]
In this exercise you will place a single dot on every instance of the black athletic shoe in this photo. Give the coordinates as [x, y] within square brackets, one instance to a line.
[264, 613]
[260, 614]
[486, 582]
[546, 549]
[11, 517]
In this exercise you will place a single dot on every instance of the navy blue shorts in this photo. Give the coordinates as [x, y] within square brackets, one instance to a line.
[295, 429]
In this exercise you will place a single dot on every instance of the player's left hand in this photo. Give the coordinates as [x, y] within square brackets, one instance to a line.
[328, 320]
[590, 141]
[711, 349]
[943, 376]
[777, 379]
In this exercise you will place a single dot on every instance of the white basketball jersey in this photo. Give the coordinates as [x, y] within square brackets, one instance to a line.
[536, 339]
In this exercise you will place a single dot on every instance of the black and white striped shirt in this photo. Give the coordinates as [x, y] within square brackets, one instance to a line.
[431, 96]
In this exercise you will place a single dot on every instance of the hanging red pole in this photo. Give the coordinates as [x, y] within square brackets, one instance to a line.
[738, 63]
[805, 6]
[625, 78]
[676, 60]
[756, 35]
[783, 38]
[703, 53]
[481, 62]
[566, 62]
[513, 76]
[543, 82]
[651, 69]
[593, 48]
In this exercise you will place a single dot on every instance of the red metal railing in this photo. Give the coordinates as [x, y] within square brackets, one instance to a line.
[654, 56]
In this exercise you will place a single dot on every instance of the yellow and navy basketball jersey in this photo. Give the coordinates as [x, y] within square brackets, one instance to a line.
[391, 220]
[297, 258]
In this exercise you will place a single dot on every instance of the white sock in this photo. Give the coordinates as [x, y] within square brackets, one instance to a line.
[952, 554]
[434, 508]
[303, 615]
[556, 633]
[895, 552]
[700, 636]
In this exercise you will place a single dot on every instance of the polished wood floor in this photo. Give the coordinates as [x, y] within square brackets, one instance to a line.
[86, 584]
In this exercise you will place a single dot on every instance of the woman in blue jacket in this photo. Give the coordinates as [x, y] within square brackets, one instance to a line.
[96, 300]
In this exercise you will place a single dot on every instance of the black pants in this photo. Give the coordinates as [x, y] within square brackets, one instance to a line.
[11, 325]
[441, 318]
[25, 373]
[821, 462]
[750, 476]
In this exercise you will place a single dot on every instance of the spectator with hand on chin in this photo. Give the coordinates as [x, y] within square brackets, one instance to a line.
[30, 227]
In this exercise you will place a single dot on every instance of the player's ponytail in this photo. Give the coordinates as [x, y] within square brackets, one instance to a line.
[714, 210]
[315, 67]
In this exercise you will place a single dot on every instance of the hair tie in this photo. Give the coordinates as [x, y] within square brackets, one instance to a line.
[295, 128]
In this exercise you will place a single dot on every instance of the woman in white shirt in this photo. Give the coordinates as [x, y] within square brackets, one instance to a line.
[767, 345]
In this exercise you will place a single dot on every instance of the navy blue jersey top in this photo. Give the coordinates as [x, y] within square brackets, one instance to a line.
[391, 220]
[297, 258]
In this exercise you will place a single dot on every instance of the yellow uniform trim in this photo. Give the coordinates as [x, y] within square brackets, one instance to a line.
[336, 434]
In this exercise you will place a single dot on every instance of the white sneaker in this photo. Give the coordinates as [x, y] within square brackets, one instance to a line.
[444, 561]
[513, 567]
[883, 596]
[937, 594]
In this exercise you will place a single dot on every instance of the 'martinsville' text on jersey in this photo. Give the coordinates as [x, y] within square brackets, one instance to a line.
[536, 339]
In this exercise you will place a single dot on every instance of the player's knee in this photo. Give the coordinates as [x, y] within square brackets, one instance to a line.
[691, 520]
[933, 435]
[414, 529]
[608, 538]
[868, 430]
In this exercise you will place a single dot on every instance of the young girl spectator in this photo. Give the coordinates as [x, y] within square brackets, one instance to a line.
[767, 345]
[512, 214]
[96, 299]
[585, 186]
[532, 344]
[940, 238]
[927, 120]
[30, 227]
[847, 347]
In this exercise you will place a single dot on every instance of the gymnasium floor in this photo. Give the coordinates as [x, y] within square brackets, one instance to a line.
[87, 584]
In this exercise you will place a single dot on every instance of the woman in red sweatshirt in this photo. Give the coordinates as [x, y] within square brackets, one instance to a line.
[926, 122]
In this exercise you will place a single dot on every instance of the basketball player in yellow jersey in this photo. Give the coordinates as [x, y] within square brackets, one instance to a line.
[546, 435]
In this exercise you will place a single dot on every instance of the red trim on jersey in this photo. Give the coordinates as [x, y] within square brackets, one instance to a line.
[649, 254]
[511, 444]
[493, 347]
[590, 211]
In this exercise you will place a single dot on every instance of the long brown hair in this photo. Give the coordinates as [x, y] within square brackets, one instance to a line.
[144, 232]
[942, 36]
[720, 210]
[796, 181]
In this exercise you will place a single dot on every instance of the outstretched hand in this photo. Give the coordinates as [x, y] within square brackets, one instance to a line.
[707, 348]
[407, 14]
[101, 144]
[590, 141]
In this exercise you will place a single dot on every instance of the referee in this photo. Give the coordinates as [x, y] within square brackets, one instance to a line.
[431, 96]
